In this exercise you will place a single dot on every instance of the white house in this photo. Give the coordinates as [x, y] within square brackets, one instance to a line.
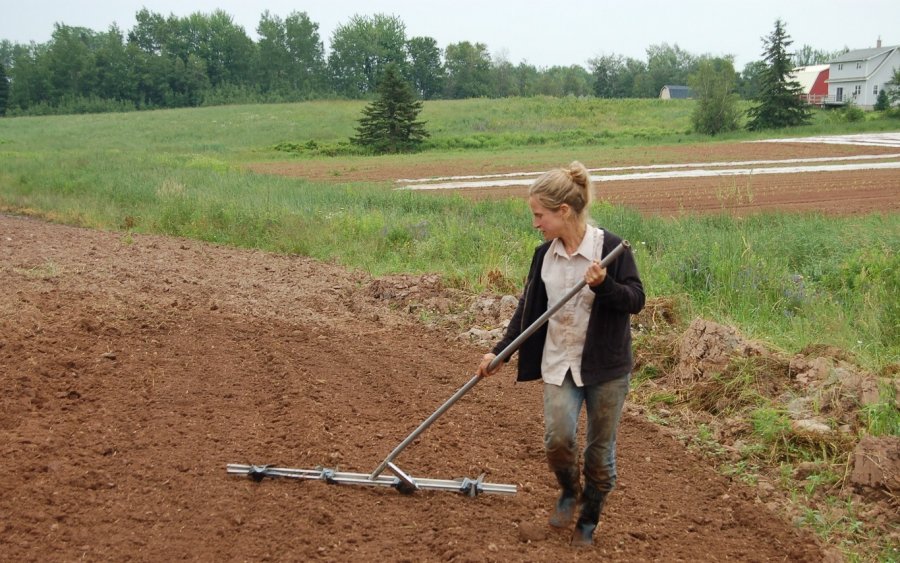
[858, 76]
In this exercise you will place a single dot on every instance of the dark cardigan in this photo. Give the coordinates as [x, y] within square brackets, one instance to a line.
[607, 346]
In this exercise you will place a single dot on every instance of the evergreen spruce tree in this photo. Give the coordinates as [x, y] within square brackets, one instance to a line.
[779, 97]
[388, 124]
[4, 90]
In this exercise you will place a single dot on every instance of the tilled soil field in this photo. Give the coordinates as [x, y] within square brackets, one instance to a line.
[829, 192]
[134, 368]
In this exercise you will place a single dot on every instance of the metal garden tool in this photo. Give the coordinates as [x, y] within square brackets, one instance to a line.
[402, 481]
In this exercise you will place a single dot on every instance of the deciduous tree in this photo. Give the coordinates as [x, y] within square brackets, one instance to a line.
[115, 78]
[150, 33]
[361, 49]
[806, 56]
[748, 83]
[607, 71]
[6, 52]
[29, 76]
[4, 90]
[892, 93]
[669, 65]
[526, 77]
[307, 53]
[274, 57]
[389, 124]
[713, 85]
[468, 70]
[291, 54]
[894, 87]
[503, 76]
[425, 68]
[229, 54]
[70, 61]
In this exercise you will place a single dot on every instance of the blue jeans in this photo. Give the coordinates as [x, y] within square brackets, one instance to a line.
[603, 402]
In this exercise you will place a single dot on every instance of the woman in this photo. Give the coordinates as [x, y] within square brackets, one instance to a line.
[583, 353]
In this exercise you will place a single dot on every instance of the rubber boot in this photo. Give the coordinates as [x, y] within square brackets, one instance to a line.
[592, 500]
[570, 484]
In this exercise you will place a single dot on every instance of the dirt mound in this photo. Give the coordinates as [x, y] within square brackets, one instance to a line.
[707, 348]
[478, 320]
[821, 388]
[135, 368]
[876, 463]
[749, 406]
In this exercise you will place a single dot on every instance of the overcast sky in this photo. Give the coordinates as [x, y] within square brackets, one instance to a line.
[543, 33]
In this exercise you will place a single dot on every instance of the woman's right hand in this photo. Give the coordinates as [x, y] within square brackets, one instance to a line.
[485, 362]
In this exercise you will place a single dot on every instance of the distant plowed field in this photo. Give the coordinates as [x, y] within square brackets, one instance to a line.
[865, 178]
[835, 175]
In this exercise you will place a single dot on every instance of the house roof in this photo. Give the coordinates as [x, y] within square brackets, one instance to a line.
[863, 54]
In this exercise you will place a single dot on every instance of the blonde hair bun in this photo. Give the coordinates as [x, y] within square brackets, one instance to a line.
[579, 174]
[570, 185]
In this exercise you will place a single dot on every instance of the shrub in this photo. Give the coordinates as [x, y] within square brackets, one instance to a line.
[852, 113]
[882, 103]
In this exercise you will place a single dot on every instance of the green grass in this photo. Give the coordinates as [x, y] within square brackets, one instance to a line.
[180, 172]
[787, 279]
[883, 418]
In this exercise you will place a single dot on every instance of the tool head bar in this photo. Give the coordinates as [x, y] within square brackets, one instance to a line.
[400, 481]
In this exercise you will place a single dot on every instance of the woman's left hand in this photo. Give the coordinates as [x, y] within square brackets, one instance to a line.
[595, 274]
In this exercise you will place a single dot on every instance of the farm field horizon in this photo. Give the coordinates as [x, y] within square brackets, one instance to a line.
[222, 174]
[189, 293]
[256, 176]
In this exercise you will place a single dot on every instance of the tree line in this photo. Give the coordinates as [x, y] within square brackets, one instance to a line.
[166, 62]
[390, 123]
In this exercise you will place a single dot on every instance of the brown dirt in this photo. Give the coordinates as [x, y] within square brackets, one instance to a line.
[831, 193]
[388, 169]
[876, 463]
[837, 193]
[134, 368]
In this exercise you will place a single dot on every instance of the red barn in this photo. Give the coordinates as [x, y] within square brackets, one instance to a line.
[813, 81]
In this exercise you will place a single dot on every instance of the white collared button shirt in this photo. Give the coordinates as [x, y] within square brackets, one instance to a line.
[567, 328]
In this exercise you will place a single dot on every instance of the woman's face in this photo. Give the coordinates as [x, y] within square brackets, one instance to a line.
[550, 223]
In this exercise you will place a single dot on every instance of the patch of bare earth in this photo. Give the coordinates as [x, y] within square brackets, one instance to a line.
[833, 193]
[133, 370]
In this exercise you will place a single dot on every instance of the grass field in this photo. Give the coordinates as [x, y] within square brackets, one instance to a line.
[790, 280]
[179, 172]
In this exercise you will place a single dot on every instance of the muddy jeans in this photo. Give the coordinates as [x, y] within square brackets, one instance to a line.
[562, 404]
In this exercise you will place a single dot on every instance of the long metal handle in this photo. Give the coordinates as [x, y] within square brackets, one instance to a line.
[502, 356]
